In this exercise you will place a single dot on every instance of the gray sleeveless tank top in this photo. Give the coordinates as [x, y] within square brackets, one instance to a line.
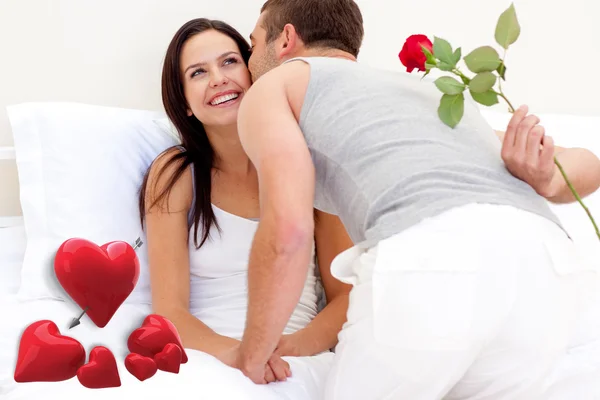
[384, 160]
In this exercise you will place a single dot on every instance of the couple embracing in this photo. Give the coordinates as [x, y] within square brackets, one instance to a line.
[320, 228]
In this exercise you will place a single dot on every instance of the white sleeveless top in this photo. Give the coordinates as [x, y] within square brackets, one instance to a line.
[219, 278]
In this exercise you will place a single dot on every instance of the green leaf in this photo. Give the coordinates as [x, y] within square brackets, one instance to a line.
[451, 109]
[442, 50]
[502, 71]
[482, 82]
[444, 66]
[508, 28]
[483, 59]
[457, 56]
[429, 56]
[449, 85]
[488, 98]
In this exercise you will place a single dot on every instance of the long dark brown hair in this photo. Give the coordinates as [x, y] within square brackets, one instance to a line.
[197, 149]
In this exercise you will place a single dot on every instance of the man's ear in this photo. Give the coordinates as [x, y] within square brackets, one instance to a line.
[291, 40]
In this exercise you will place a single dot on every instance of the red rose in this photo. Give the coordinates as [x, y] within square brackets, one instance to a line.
[412, 55]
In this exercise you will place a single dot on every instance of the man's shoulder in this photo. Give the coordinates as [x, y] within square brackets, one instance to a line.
[289, 80]
[286, 73]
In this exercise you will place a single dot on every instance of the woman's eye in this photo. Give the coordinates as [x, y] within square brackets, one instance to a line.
[230, 61]
[197, 72]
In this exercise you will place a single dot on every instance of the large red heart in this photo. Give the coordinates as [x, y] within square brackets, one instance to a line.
[101, 371]
[139, 366]
[152, 337]
[98, 279]
[47, 356]
[169, 359]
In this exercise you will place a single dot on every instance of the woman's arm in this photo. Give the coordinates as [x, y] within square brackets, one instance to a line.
[167, 240]
[321, 333]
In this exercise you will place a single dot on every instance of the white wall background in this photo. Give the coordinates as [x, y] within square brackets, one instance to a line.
[110, 52]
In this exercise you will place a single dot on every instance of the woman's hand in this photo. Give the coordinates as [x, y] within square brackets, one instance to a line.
[279, 368]
[276, 369]
[226, 350]
[291, 346]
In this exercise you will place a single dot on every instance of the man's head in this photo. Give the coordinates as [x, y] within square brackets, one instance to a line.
[295, 28]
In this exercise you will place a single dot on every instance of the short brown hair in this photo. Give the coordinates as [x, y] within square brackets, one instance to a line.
[336, 24]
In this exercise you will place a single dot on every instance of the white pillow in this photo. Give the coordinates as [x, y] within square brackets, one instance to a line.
[12, 251]
[569, 131]
[166, 125]
[80, 169]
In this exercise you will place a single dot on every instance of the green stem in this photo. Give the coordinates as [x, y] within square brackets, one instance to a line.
[463, 76]
[500, 80]
[510, 106]
[564, 174]
[579, 200]
[501, 93]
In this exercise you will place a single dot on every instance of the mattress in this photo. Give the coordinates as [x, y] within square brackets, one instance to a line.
[202, 377]
[577, 377]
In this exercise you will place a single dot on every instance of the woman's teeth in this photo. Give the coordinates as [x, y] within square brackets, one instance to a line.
[223, 99]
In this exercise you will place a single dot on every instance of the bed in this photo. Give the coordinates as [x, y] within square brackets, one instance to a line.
[201, 377]
[47, 152]
[62, 197]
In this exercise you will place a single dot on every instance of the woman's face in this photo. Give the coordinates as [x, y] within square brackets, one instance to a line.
[215, 78]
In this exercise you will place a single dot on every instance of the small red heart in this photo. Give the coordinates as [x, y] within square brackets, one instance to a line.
[152, 337]
[101, 371]
[139, 366]
[47, 356]
[169, 359]
[97, 278]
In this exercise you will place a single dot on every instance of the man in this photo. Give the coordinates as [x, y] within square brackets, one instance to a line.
[465, 284]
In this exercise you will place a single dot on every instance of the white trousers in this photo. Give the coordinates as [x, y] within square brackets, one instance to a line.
[477, 303]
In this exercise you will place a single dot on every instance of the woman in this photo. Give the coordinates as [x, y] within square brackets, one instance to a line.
[200, 205]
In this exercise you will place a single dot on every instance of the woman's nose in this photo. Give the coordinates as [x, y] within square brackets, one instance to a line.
[218, 79]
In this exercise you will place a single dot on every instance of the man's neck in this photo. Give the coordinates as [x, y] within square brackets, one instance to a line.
[323, 52]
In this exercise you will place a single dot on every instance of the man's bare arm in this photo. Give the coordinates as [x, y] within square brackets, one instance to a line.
[281, 249]
[529, 154]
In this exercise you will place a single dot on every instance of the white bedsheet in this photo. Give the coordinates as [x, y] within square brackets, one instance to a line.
[577, 377]
[202, 377]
